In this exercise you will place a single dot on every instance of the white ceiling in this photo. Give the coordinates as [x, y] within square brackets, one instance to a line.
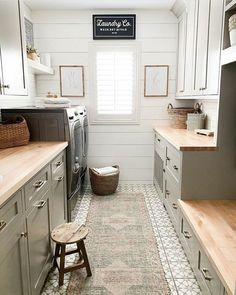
[98, 4]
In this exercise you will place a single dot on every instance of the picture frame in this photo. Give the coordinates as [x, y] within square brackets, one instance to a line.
[71, 80]
[156, 80]
[29, 33]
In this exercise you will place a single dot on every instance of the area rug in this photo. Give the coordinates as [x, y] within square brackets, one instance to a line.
[122, 250]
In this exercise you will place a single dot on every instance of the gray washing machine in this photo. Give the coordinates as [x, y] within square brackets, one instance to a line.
[58, 124]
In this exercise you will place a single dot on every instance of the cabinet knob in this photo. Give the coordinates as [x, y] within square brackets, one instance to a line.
[158, 139]
[58, 164]
[167, 158]
[167, 192]
[23, 235]
[175, 167]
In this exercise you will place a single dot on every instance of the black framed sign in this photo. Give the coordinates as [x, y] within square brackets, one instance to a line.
[114, 26]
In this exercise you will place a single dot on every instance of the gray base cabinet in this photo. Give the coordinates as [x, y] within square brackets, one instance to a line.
[26, 221]
[40, 255]
[207, 278]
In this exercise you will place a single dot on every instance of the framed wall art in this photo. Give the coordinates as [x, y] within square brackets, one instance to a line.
[72, 81]
[156, 80]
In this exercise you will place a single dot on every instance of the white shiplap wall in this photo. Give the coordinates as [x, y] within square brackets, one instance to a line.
[66, 35]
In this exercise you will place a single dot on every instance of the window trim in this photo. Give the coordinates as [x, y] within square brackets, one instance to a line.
[134, 118]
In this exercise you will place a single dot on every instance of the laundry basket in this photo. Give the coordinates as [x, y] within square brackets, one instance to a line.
[104, 184]
[14, 132]
[178, 116]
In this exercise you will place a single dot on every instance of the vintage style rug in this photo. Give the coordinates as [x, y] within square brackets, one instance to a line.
[122, 250]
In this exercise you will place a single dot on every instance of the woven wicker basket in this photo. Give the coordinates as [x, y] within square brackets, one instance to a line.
[104, 184]
[14, 133]
[178, 116]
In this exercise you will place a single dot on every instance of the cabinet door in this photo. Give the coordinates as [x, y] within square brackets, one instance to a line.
[58, 204]
[13, 262]
[214, 48]
[182, 53]
[38, 226]
[12, 51]
[202, 39]
[208, 46]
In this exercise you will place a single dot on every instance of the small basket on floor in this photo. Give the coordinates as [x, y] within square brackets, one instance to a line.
[104, 184]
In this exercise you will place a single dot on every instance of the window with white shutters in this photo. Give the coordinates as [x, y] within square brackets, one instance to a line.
[114, 84]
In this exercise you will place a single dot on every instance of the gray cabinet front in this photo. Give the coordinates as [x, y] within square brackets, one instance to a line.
[38, 225]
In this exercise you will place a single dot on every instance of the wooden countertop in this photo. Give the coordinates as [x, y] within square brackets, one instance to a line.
[184, 140]
[19, 164]
[214, 224]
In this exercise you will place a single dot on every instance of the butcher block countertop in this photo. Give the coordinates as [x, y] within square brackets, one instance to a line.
[214, 224]
[184, 140]
[20, 164]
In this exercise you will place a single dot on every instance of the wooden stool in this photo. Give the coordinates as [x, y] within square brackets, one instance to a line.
[65, 234]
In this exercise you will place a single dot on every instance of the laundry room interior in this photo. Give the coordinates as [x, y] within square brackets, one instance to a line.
[117, 147]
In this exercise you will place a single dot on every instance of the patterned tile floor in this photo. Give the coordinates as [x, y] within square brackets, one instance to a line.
[177, 270]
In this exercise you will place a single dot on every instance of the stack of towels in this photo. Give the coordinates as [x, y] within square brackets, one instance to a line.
[106, 170]
[51, 102]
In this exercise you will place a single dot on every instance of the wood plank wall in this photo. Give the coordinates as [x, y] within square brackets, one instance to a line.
[65, 35]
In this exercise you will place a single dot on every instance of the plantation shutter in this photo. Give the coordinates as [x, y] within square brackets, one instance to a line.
[116, 83]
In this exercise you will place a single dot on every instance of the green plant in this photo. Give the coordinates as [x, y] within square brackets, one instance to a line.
[30, 49]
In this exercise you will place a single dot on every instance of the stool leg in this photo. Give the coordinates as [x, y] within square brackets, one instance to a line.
[62, 265]
[85, 257]
[57, 251]
[79, 251]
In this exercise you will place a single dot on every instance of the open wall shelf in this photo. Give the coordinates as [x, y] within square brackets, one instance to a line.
[38, 68]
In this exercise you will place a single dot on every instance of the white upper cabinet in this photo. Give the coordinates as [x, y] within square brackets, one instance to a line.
[12, 49]
[201, 56]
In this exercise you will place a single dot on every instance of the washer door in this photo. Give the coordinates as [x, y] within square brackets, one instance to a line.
[85, 143]
[76, 155]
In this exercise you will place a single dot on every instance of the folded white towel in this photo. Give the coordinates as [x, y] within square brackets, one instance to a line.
[106, 170]
[54, 105]
[59, 100]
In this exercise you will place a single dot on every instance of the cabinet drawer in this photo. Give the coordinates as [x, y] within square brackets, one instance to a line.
[58, 163]
[188, 241]
[173, 162]
[10, 214]
[160, 146]
[37, 186]
[207, 274]
[171, 198]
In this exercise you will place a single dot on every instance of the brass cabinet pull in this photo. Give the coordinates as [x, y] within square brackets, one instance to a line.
[2, 224]
[60, 178]
[167, 158]
[187, 234]
[175, 167]
[206, 275]
[175, 206]
[167, 192]
[39, 184]
[23, 235]
[40, 204]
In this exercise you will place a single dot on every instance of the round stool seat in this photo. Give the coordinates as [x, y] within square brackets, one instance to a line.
[69, 233]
